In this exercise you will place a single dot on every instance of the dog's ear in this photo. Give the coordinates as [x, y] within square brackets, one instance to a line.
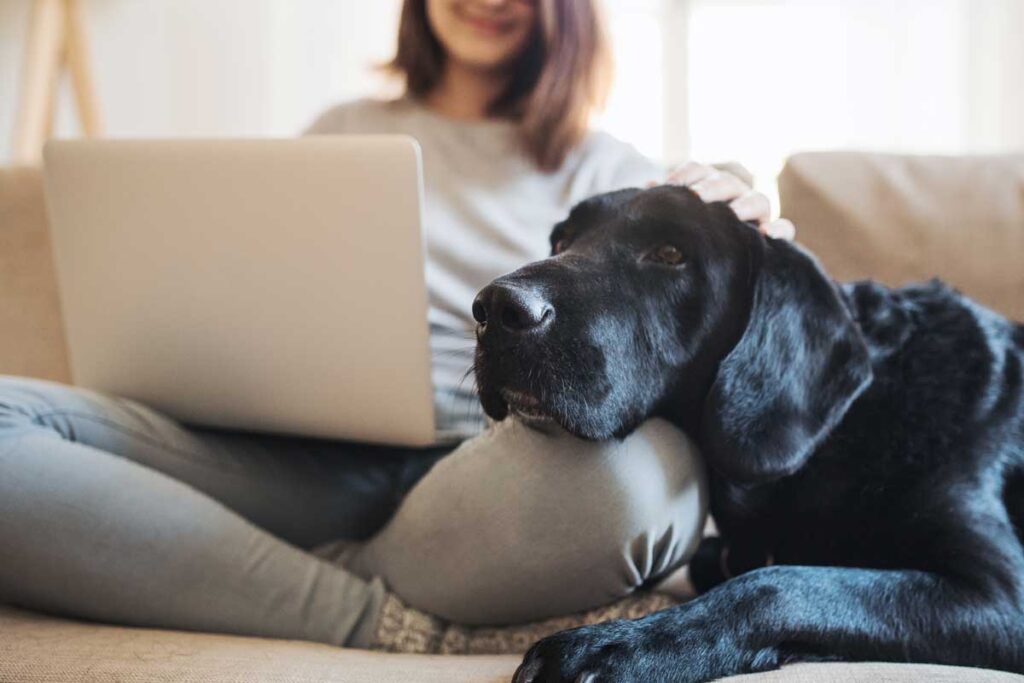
[796, 369]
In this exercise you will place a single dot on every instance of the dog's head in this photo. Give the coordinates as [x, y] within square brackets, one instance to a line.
[655, 303]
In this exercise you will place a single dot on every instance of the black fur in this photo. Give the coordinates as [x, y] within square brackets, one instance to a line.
[867, 443]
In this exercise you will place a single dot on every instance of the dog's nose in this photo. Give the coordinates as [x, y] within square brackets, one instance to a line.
[516, 308]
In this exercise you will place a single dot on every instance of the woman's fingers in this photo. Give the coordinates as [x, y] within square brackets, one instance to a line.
[780, 229]
[755, 206]
[709, 183]
[752, 206]
[689, 173]
[720, 186]
[713, 185]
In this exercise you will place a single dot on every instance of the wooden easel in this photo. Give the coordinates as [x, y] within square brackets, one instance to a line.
[55, 41]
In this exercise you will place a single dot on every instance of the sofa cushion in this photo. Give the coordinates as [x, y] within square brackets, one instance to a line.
[35, 648]
[898, 218]
[32, 341]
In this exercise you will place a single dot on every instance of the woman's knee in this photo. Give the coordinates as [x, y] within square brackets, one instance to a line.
[519, 525]
[39, 407]
[26, 402]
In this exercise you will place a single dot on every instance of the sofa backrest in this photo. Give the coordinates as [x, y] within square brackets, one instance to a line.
[898, 219]
[31, 333]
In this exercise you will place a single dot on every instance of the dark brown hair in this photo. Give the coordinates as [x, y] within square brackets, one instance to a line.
[561, 76]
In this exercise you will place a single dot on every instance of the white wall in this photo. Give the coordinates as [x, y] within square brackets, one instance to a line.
[214, 67]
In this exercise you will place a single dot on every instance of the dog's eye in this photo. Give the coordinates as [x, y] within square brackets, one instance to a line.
[560, 246]
[666, 254]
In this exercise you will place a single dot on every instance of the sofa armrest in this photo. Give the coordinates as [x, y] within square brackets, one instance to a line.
[31, 332]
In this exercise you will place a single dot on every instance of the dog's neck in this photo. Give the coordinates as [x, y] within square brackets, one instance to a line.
[685, 405]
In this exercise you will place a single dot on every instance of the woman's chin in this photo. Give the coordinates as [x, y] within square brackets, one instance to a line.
[485, 58]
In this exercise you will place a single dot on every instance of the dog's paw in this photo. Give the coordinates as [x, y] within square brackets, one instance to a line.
[662, 648]
[620, 651]
[602, 652]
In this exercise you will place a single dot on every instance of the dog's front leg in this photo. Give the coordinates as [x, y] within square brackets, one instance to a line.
[776, 615]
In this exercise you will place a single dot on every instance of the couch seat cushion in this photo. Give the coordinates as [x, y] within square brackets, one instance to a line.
[40, 649]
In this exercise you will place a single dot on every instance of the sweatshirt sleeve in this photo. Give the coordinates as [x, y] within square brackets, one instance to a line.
[616, 164]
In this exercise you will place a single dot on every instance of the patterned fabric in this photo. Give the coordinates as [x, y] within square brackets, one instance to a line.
[406, 630]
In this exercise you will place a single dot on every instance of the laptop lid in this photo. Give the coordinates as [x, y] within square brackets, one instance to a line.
[266, 285]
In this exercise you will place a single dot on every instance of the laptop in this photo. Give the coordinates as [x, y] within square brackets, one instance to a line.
[264, 285]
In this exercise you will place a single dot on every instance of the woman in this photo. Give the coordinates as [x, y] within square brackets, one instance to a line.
[113, 512]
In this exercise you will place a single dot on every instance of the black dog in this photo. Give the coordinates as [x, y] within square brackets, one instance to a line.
[866, 445]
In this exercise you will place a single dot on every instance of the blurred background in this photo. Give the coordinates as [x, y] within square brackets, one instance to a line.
[744, 80]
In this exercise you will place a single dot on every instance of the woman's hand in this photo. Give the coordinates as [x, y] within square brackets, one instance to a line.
[713, 185]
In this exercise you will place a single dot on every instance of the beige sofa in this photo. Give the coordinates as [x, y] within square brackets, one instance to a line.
[866, 215]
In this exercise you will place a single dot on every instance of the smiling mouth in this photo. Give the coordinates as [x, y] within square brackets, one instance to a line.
[488, 26]
[525, 406]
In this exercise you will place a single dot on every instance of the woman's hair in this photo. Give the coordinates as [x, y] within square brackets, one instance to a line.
[561, 76]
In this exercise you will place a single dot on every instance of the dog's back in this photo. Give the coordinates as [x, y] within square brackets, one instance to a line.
[928, 463]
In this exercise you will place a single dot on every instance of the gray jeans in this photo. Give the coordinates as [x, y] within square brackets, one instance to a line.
[112, 512]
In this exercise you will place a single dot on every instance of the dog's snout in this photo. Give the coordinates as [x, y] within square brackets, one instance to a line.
[515, 308]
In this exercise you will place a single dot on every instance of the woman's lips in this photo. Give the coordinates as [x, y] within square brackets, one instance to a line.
[488, 26]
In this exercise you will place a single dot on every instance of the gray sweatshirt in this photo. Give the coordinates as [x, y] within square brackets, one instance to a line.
[488, 210]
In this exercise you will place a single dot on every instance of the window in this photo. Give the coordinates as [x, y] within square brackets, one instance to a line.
[757, 80]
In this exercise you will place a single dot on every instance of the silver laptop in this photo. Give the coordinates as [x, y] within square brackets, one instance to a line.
[268, 285]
